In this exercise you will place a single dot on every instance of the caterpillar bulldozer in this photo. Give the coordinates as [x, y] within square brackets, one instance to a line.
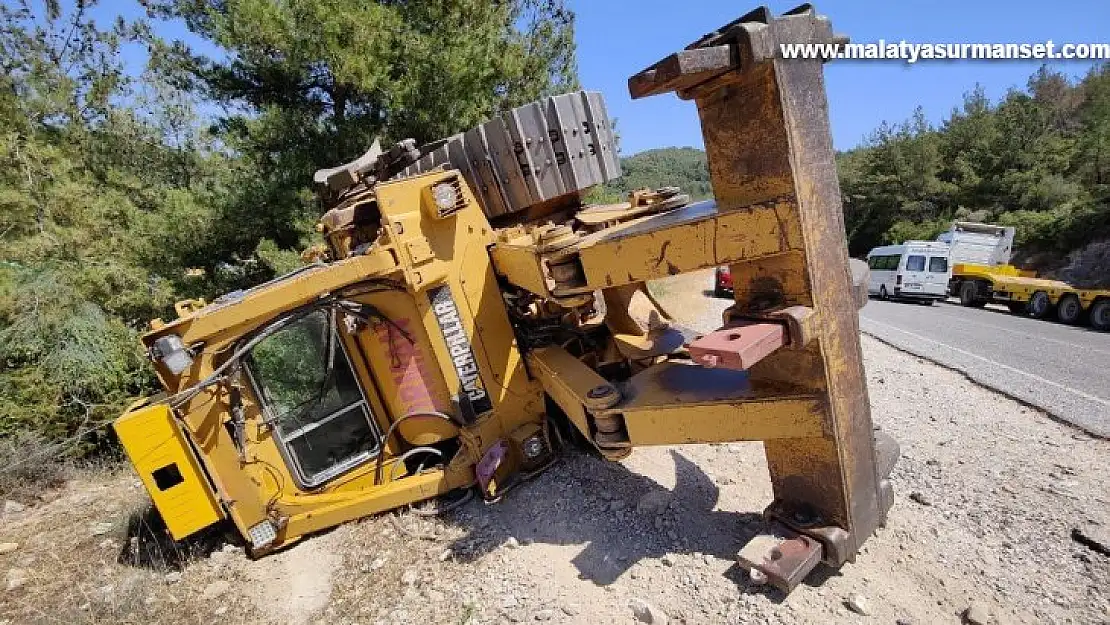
[470, 312]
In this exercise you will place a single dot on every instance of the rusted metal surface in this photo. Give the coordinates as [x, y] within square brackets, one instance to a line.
[782, 555]
[683, 70]
[738, 346]
[766, 130]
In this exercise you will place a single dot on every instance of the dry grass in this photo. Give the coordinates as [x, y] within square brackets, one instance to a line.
[86, 555]
[29, 465]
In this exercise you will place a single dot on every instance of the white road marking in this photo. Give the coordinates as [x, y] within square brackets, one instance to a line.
[1039, 337]
[1038, 378]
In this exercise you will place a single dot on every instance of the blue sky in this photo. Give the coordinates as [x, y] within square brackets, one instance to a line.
[617, 38]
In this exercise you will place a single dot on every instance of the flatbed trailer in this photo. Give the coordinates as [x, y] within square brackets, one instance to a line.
[1025, 294]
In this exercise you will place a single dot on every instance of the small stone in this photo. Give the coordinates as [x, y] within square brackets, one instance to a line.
[858, 604]
[919, 498]
[904, 621]
[215, 589]
[708, 558]
[758, 577]
[16, 582]
[377, 564]
[107, 543]
[100, 529]
[544, 615]
[571, 609]
[508, 602]
[653, 502]
[667, 560]
[978, 614]
[222, 610]
[647, 613]
[8, 547]
[445, 555]
[13, 507]
[410, 577]
[173, 577]
[512, 542]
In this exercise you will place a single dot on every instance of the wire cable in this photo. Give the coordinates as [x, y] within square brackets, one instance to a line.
[393, 427]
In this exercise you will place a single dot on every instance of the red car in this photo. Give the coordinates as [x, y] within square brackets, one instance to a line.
[722, 283]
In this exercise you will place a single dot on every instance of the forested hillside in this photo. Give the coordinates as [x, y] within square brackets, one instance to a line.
[680, 167]
[1038, 160]
[118, 197]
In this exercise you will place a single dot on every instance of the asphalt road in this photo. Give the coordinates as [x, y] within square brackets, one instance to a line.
[1063, 370]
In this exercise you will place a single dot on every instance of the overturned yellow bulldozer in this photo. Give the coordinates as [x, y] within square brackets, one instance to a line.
[470, 314]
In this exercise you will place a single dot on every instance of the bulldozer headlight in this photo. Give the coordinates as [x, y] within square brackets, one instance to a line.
[262, 535]
[171, 351]
[445, 196]
[534, 447]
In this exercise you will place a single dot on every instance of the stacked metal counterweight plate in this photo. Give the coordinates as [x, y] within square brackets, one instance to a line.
[554, 148]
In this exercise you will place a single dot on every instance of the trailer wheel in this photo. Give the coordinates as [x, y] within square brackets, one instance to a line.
[1039, 305]
[1100, 315]
[969, 295]
[1018, 308]
[1069, 309]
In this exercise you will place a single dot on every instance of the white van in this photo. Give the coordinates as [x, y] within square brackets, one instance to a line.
[914, 270]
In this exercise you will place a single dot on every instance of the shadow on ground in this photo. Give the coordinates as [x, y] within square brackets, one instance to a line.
[149, 545]
[613, 512]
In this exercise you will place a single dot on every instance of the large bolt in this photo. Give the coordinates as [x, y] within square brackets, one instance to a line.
[600, 391]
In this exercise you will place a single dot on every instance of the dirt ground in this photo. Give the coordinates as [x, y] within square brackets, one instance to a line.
[988, 495]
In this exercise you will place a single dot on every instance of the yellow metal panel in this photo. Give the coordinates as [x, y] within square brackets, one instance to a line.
[520, 265]
[327, 510]
[157, 448]
[567, 380]
[264, 302]
[726, 421]
[687, 239]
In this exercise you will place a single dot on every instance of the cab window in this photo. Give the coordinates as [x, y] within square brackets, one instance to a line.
[312, 398]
